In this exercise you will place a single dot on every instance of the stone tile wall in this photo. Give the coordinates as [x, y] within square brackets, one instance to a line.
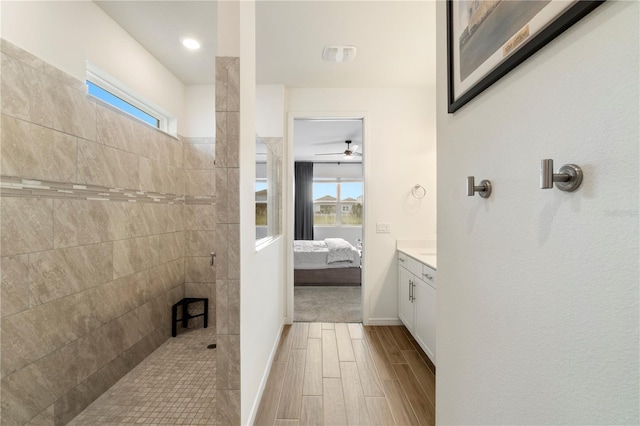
[97, 211]
[200, 223]
[227, 175]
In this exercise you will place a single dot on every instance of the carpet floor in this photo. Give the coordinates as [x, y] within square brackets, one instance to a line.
[328, 304]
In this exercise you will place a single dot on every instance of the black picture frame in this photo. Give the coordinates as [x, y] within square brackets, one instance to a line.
[554, 28]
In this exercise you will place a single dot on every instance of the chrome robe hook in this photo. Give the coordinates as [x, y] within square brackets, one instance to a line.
[484, 189]
[569, 178]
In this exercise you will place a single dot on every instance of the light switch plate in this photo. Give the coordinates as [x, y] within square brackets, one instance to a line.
[383, 228]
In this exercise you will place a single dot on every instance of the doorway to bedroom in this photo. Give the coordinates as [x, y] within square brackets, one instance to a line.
[328, 181]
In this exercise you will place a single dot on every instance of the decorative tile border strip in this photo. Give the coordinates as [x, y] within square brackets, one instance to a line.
[205, 199]
[18, 187]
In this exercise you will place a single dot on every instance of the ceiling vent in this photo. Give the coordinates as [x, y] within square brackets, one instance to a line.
[339, 53]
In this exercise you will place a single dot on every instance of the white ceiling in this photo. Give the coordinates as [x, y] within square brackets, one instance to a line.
[158, 26]
[395, 43]
[312, 137]
[395, 40]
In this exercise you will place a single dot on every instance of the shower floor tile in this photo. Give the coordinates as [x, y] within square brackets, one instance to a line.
[175, 385]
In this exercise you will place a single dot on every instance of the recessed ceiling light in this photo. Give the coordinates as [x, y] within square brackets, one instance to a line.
[190, 43]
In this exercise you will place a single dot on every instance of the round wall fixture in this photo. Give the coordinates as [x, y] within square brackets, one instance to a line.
[339, 53]
[418, 191]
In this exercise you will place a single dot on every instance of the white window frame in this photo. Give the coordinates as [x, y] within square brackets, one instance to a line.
[166, 122]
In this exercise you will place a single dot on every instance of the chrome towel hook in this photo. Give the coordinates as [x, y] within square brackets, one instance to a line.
[484, 189]
[569, 178]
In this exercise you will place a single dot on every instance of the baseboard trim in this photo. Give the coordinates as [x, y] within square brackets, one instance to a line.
[383, 321]
[265, 377]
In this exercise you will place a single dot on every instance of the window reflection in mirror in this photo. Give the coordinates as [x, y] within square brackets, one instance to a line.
[268, 187]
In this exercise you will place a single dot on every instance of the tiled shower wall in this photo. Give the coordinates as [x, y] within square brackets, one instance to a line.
[93, 219]
[228, 238]
[200, 223]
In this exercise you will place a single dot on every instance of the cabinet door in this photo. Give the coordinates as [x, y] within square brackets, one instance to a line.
[405, 304]
[425, 317]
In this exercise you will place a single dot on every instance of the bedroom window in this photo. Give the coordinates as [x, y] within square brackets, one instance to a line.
[337, 203]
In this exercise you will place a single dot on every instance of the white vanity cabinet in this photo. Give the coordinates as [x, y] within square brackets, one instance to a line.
[417, 301]
[405, 293]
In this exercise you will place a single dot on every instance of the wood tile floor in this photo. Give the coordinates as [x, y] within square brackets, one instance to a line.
[347, 374]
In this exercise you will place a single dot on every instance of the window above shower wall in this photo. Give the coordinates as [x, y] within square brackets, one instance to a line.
[111, 91]
[176, 80]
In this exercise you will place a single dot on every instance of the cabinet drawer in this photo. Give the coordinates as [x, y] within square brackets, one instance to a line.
[428, 274]
[402, 260]
[414, 266]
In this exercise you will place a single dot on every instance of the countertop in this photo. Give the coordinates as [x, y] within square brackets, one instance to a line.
[427, 256]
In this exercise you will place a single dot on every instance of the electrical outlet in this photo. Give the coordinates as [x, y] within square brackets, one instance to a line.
[383, 228]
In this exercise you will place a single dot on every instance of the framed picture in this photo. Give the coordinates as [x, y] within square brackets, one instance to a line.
[488, 38]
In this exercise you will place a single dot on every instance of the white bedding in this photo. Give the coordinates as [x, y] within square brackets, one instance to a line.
[314, 255]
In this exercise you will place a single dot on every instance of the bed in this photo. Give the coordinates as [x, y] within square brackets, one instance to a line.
[333, 261]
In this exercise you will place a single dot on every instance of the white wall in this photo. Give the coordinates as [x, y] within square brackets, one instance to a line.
[400, 152]
[199, 111]
[349, 233]
[261, 285]
[270, 110]
[538, 289]
[262, 313]
[71, 32]
[334, 171]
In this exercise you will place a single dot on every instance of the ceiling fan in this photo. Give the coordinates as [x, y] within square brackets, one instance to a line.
[348, 153]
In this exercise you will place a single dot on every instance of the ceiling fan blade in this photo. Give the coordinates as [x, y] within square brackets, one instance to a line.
[354, 149]
[336, 142]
